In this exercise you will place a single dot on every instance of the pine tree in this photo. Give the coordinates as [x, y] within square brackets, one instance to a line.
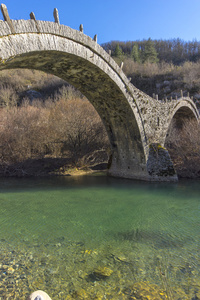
[118, 51]
[150, 53]
[135, 54]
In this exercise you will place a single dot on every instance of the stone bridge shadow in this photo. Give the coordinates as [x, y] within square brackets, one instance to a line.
[136, 124]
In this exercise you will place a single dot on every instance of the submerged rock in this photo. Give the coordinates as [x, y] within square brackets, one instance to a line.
[102, 272]
[148, 291]
[143, 290]
[81, 295]
[10, 270]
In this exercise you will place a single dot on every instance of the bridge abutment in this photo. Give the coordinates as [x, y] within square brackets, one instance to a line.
[159, 164]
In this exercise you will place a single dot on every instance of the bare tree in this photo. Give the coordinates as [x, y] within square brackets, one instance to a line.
[183, 144]
[63, 129]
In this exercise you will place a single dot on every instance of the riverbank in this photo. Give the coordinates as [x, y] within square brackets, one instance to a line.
[45, 167]
[48, 167]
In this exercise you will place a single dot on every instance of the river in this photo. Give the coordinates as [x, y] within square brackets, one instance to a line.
[97, 237]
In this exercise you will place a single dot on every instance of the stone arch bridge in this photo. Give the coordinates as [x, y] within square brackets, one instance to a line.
[136, 124]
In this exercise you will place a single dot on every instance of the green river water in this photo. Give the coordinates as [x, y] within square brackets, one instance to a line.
[95, 237]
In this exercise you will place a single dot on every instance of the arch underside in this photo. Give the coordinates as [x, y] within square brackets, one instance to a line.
[181, 115]
[184, 113]
[128, 158]
[182, 140]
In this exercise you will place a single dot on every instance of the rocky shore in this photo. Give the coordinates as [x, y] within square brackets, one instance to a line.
[69, 270]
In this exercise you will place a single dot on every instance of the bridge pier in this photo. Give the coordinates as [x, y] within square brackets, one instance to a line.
[159, 166]
[125, 167]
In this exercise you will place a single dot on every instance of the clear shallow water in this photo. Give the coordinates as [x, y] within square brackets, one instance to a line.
[95, 237]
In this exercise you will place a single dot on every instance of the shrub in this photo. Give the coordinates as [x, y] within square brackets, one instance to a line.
[65, 128]
[183, 144]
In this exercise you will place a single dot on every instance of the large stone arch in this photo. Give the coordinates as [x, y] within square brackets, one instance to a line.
[80, 61]
[136, 123]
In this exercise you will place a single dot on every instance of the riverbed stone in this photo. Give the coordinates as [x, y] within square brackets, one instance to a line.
[102, 272]
[143, 290]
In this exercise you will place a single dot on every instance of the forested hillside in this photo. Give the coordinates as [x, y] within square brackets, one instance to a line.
[175, 51]
[160, 67]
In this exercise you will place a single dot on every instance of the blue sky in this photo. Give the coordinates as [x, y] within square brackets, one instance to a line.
[122, 20]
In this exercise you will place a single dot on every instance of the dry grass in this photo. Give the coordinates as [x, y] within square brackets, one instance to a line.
[147, 69]
[149, 76]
